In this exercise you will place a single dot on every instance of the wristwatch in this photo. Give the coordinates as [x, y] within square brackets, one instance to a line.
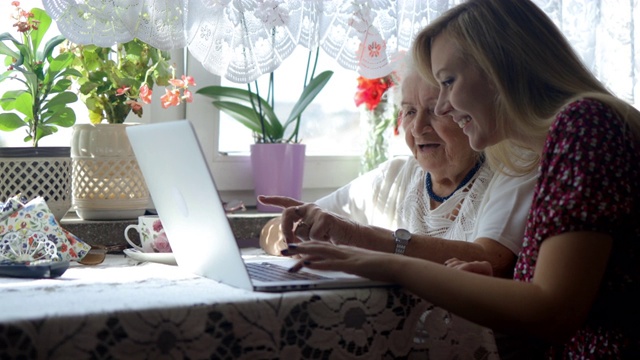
[402, 238]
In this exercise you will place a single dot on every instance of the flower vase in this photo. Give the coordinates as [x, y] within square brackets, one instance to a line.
[107, 182]
[378, 124]
[278, 169]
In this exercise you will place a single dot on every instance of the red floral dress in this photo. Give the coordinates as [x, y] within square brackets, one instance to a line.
[590, 181]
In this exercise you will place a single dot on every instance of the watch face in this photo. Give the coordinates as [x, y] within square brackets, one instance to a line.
[402, 234]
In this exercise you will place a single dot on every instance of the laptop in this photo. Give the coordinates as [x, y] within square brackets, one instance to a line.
[186, 198]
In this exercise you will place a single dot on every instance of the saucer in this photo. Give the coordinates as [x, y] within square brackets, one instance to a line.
[162, 258]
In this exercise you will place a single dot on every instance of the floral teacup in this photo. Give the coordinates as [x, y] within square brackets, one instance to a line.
[151, 234]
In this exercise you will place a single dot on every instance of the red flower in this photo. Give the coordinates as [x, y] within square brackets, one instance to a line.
[370, 91]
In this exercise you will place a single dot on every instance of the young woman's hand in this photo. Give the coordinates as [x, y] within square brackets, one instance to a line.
[370, 264]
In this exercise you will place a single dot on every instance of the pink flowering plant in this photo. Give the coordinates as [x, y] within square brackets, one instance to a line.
[117, 81]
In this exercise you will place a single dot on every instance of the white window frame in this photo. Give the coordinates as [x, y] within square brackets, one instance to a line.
[232, 173]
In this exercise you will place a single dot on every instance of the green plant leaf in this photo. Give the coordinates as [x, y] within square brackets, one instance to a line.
[61, 99]
[24, 104]
[243, 114]
[241, 96]
[43, 130]
[9, 97]
[37, 35]
[274, 130]
[61, 85]
[59, 64]
[5, 50]
[10, 122]
[310, 92]
[64, 117]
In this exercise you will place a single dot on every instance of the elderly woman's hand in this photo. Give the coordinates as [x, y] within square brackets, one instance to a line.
[370, 264]
[306, 221]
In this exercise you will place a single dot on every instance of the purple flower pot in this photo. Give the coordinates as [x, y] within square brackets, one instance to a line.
[278, 169]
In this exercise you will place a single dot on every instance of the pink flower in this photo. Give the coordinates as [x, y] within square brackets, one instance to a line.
[170, 98]
[157, 226]
[136, 107]
[188, 96]
[161, 244]
[189, 80]
[145, 94]
[122, 90]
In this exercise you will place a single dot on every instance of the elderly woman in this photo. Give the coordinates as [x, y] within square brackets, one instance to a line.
[437, 195]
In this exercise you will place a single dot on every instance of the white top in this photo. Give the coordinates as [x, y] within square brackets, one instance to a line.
[394, 195]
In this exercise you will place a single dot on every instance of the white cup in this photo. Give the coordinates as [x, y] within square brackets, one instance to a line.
[151, 234]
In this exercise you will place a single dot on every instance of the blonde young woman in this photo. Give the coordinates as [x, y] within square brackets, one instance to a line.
[436, 195]
[575, 288]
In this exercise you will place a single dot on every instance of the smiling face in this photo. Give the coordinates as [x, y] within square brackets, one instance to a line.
[466, 94]
[435, 141]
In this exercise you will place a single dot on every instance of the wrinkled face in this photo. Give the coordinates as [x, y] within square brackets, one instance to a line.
[436, 142]
[466, 95]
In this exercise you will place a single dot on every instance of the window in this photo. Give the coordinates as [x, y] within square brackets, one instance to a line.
[330, 129]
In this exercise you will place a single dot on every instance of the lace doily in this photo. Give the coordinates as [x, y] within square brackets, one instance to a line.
[243, 39]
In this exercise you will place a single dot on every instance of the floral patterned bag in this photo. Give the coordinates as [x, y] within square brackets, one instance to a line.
[29, 232]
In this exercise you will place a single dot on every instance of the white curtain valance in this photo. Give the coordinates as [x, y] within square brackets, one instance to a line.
[243, 39]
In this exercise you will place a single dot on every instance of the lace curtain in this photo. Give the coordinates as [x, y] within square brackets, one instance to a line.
[243, 39]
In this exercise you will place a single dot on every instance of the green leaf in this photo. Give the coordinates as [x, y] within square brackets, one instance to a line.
[11, 96]
[64, 117]
[310, 92]
[5, 50]
[10, 122]
[58, 64]
[61, 99]
[43, 130]
[37, 35]
[243, 114]
[242, 97]
[24, 104]
[61, 85]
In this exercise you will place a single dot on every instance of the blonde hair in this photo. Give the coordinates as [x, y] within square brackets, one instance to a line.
[530, 63]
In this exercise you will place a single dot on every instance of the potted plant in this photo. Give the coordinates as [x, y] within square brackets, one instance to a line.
[277, 157]
[39, 104]
[107, 182]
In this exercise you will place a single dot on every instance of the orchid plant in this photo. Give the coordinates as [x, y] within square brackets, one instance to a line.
[257, 113]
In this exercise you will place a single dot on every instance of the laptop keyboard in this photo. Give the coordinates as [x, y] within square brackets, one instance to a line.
[273, 272]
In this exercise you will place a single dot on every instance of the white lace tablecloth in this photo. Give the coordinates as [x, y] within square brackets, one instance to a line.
[123, 309]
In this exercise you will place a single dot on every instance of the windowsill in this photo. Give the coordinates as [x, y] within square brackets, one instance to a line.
[245, 225]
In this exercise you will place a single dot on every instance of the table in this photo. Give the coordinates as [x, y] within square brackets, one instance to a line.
[128, 310]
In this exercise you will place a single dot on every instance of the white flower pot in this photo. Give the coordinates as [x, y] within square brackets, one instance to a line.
[107, 182]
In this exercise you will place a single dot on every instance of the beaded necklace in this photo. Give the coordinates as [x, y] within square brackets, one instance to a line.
[464, 182]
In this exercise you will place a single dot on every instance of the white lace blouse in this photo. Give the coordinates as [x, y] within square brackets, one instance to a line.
[394, 195]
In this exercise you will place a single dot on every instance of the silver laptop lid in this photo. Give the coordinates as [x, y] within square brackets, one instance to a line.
[184, 193]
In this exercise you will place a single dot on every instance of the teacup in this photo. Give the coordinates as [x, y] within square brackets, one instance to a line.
[151, 235]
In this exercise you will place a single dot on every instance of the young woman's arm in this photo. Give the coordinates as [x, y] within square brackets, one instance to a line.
[568, 274]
